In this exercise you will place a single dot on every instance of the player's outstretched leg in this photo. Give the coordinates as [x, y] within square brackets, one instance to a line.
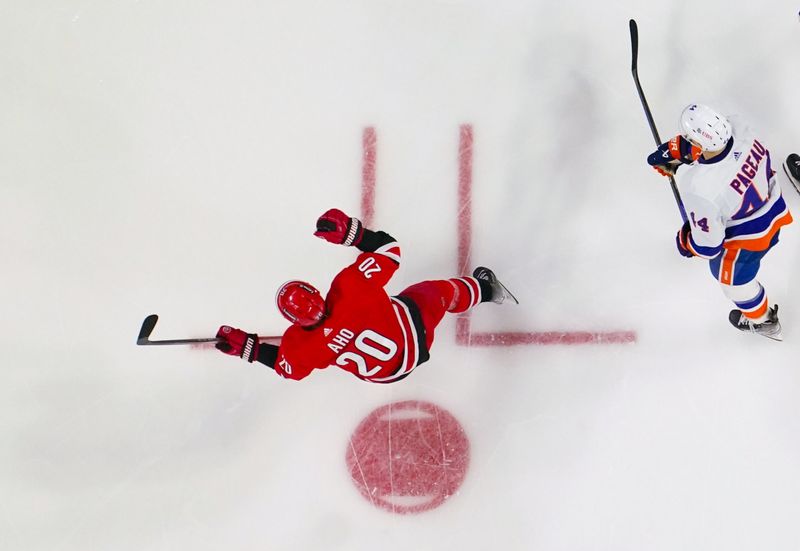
[792, 169]
[499, 291]
[771, 328]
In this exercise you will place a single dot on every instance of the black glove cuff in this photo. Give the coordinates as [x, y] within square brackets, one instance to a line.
[354, 233]
[250, 348]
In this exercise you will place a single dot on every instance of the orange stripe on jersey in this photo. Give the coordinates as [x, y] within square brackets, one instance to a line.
[726, 268]
[760, 243]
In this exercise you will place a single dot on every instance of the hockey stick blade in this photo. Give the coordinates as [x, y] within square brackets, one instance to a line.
[635, 72]
[634, 45]
[149, 324]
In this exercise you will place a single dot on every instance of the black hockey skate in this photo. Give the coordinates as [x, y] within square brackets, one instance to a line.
[770, 328]
[792, 169]
[499, 291]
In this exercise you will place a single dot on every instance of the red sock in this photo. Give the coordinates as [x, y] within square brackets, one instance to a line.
[466, 294]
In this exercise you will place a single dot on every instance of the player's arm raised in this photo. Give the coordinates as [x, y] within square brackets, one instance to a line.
[381, 256]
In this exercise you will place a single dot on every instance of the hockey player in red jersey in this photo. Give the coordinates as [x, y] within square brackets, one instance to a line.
[358, 327]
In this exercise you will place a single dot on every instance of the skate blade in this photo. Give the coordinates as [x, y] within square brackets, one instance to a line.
[777, 336]
[509, 293]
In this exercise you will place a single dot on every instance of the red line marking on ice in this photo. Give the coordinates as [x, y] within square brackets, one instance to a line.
[368, 144]
[464, 197]
[464, 334]
[464, 232]
[549, 337]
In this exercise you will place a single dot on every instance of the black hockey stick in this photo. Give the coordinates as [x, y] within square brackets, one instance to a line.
[149, 324]
[648, 114]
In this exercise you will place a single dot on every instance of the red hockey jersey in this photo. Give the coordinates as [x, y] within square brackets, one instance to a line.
[366, 332]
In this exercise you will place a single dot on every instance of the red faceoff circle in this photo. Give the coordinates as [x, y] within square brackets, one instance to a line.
[408, 457]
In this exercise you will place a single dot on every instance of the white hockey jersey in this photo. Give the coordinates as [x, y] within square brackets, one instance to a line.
[733, 201]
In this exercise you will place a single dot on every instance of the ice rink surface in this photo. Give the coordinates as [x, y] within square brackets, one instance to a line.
[172, 157]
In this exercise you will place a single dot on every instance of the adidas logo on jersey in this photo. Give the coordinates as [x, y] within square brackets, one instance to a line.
[327, 331]
[737, 154]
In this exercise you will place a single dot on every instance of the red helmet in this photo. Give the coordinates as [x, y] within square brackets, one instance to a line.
[300, 303]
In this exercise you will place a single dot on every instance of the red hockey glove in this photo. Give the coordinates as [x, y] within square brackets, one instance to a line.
[682, 241]
[236, 342]
[336, 227]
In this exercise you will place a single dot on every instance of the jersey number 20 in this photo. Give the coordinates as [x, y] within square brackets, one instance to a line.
[371, 344]
[369, 267]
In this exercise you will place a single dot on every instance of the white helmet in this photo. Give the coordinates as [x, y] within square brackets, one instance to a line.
[704, 126]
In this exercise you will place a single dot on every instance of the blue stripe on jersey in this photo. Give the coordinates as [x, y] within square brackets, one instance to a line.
[706, 252]
[757, 225]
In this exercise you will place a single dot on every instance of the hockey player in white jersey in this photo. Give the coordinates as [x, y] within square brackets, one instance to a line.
[734, 207]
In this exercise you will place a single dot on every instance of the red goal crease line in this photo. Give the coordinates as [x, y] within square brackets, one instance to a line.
[464, 334]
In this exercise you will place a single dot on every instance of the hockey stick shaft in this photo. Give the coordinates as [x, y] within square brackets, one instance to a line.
[149, 324]
[635, 72]
[177, 341]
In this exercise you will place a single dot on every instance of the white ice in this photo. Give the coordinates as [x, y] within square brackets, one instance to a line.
[171, 157]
